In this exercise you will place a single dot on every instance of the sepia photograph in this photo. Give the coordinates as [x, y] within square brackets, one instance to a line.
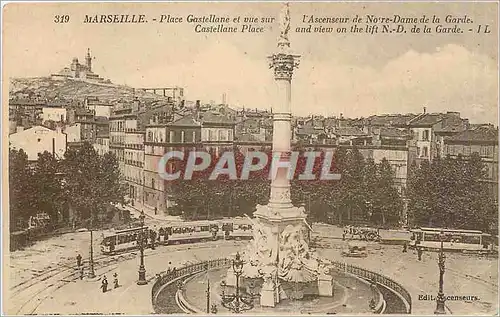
[256, 158]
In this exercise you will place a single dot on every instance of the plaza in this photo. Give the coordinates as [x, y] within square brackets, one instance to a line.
[290, 265]
[42, 286]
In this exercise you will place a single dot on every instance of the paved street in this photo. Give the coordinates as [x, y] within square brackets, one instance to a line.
[50, 284]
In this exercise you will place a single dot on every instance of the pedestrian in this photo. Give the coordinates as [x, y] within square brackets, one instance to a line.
[116, 285]
[152, 234]
[343, 236]
[405, 247]
[104, 284]
[81, 272]
[78, 260]
[419, 253]
[161, 233]
[169, 268]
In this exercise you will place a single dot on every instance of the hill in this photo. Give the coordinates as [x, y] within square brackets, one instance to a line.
[45, 87]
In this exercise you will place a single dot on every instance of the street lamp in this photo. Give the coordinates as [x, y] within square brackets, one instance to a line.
[440, 297]
[142, 269]
[91, 260]
[237, 302]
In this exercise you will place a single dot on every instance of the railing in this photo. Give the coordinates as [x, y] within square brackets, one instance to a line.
[378, 278]
[166, 278]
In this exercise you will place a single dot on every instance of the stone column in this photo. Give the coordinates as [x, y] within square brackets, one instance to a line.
[283, 64]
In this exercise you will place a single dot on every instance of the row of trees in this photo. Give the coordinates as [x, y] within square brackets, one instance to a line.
[83, 182]
[452, 193]
[442, 193]
[363, 193]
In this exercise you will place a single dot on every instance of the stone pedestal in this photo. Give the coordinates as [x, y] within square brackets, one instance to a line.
[268, 294]
[325, 285]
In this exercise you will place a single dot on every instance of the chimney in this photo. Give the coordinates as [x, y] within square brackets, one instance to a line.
[425, 110]
[224, 98]
[197, 105]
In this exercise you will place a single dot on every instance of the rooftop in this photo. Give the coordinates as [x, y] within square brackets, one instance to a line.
[485, 133]
[186, 121]
[216, 118]
[349, 131]
[390, 119]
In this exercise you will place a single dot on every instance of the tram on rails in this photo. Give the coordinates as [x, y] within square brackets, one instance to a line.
[237, 229]
[177, 233]
[122, 240]
[453, 240]
[192, 232]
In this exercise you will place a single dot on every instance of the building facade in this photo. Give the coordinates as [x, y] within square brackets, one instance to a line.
[37, 140]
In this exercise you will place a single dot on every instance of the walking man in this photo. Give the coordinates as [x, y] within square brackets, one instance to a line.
[419, 253]
[405, 247]
[78, 260]
[104, 284]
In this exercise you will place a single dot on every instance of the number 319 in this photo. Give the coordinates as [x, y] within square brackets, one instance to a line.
[61, 18]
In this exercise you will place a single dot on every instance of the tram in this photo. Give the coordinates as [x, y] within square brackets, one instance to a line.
[454, 240]
[192, 231]
[177, 233]
[237, 229]
[121, 240]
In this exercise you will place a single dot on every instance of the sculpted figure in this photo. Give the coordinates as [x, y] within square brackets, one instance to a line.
[285, 23]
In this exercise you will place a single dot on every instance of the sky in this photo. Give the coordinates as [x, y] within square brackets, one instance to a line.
[351, 74]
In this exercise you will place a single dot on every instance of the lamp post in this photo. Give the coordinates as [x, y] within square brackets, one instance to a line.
[440, 297]
[91, 259]
[236, 302]
[208, 294]
[142, 269]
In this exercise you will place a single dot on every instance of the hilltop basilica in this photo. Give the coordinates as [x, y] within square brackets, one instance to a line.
[80, 71]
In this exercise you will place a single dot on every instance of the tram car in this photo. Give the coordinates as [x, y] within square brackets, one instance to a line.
[122, 240]
[237, 229]
[459, 240]
[191, 232]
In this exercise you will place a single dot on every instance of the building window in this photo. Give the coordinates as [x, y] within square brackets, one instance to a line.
[194, 136]
[486, 151]
[425, 135]
[230, 135]
[182, 136]
[210, 135]
[425, 152]
[171, 137]
[467, 150]
[152, 183]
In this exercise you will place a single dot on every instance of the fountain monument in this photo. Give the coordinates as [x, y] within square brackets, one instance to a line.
[278, 258]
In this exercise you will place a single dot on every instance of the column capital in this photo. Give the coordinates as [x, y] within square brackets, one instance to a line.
[283, 65]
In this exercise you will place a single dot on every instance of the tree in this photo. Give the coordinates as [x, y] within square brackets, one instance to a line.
[387, 202]
[352, 196]
[21, 192]
[451, 193]
[46, 182]
[93, 183]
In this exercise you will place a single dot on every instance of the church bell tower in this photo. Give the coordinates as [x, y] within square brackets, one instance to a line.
[88, 60]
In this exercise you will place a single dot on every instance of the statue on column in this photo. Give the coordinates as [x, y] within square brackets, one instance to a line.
[284, 25]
